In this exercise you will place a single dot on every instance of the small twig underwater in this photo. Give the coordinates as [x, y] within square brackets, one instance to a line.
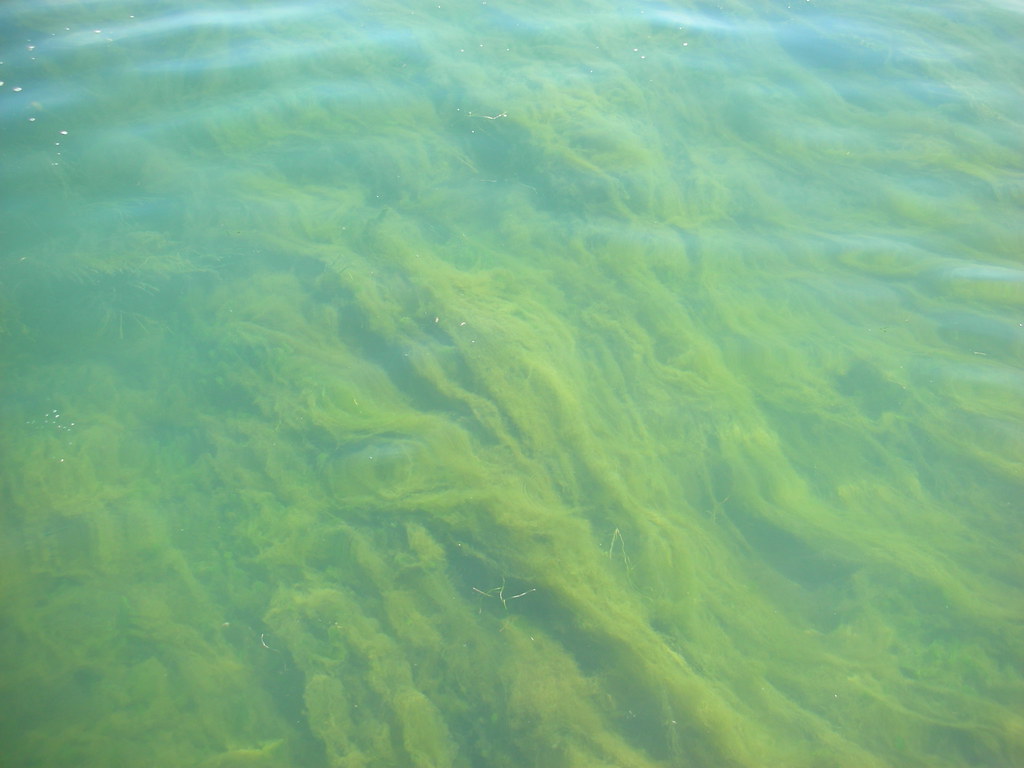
[617, 536]
[499, 593]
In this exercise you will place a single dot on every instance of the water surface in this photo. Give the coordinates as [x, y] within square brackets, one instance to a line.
[486, 384]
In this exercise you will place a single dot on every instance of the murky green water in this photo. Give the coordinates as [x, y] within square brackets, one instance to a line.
[493, 384]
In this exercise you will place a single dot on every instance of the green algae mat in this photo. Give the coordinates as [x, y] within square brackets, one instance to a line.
[489, 385]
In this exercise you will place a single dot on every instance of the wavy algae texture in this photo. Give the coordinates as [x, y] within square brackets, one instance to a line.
[480, 390]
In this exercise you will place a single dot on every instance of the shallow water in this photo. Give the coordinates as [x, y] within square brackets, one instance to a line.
[487, 384]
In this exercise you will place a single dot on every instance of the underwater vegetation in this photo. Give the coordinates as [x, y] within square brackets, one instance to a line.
[585, 430]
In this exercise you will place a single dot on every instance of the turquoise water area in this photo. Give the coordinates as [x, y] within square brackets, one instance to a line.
[500, 384]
